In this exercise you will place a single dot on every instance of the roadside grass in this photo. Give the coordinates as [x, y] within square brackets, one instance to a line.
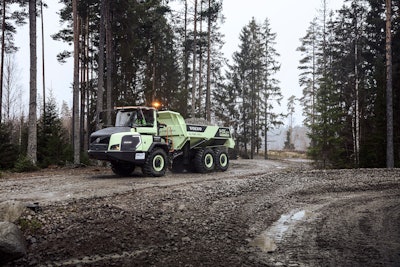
[282, 154]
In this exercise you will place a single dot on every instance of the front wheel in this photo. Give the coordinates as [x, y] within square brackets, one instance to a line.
[122, 169]
[156, 163]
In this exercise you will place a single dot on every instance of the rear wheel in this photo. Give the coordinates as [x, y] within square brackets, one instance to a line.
[156, 163]
[204, 160]
[221, 160]
[122, 169]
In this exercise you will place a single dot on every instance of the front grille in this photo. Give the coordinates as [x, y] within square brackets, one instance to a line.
[129, 143]
[99, 143]
[98, 147]
[100, 139]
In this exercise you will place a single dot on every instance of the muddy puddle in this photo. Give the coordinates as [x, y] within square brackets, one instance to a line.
[268, 240]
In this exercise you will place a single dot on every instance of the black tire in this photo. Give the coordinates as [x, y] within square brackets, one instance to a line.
[221, 160]
[156, 163]
[122, 169]
[204, 160]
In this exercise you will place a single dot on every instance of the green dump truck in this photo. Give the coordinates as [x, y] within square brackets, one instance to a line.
[157, 140]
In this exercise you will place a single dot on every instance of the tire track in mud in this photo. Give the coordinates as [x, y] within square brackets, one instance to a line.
[343, 229]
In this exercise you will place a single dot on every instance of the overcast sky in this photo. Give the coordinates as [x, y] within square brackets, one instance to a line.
[289, 20]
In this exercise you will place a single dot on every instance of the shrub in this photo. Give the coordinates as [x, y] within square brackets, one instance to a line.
[24, 164]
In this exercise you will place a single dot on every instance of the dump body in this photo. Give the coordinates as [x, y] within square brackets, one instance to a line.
[153, 140]
[180, 133]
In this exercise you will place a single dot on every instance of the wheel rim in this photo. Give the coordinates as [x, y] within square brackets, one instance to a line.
[158, 163]
[208, 161]
[223, 160]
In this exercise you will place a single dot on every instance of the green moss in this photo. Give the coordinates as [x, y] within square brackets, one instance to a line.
[29, 225]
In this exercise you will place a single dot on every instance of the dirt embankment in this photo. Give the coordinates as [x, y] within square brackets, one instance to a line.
[259, 213]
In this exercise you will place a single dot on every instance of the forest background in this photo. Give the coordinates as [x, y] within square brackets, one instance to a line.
[154, 51]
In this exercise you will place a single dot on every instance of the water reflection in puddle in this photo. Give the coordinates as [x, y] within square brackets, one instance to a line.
[267, 240]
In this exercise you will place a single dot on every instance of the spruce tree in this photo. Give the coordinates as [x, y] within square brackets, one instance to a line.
[252, 85]
[53, 145]
[308, 75]
[271, 92]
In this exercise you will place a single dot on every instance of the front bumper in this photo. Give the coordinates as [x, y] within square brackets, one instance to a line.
[136, 157]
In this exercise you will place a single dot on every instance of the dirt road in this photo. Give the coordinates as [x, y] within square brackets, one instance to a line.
[259, 213]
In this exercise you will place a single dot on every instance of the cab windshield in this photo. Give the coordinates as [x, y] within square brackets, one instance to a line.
[135, 118]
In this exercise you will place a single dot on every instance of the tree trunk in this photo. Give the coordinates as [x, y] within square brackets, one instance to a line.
[32, 124]
[83, 89]
[75, 108]
[3, 49]
[208, 89]
[153, 86]
[194, 61]
[100, 85]
[266, 133]
[43, 66]
[109, 61]
[200, 61]
[87, 120]
[356, 115]
[186, 58]
[389, 88]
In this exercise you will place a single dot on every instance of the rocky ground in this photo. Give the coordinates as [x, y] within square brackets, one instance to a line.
[258, 213]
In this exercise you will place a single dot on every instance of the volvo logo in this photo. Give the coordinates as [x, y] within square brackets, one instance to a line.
[195, 129]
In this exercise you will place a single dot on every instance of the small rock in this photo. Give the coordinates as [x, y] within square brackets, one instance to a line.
[34, 206]
[186, 239]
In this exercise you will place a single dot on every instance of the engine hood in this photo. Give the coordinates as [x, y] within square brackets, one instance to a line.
[109, 131]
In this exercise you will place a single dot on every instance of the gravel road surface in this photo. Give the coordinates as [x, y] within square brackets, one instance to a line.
[258, 213]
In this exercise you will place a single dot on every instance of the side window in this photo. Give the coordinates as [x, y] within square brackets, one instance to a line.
[149, 118]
